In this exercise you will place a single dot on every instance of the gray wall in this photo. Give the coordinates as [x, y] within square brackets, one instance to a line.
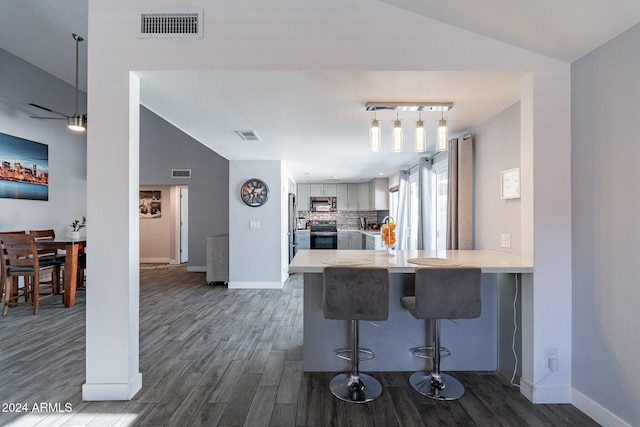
[164, 147]
[496, 148]
[606, 226]
[255, 254]
[20, 84]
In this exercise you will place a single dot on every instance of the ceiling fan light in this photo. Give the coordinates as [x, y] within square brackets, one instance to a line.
[375, 136]
[420, 144]
[443, 135]
[77, 123]
[396, 141]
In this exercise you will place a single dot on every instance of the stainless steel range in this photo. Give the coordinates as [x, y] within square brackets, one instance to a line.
[324, 234]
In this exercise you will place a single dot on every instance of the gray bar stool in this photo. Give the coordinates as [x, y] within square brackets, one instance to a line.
[355, 293]
[442, 293]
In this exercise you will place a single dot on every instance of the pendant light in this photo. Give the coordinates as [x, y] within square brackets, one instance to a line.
[443, 134]
[420, 143]
[396, 136]
[374, 134]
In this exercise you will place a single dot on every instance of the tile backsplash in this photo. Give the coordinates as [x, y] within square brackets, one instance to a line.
[345, 220]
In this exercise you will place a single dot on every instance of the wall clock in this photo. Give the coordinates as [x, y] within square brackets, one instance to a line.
[254, 192]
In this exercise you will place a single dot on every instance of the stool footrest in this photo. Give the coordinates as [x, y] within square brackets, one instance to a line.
[426, 352]
[345, 354]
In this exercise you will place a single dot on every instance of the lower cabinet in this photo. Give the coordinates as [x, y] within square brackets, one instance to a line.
[303, 238]
[373, 243]
[343, 240]
[355, 240]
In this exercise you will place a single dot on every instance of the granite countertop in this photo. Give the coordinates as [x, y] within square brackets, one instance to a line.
[374, 233]
[314, 261]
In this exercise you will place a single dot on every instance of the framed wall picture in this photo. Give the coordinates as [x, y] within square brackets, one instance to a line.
[510, 184]
[150, 204]
[24, 168]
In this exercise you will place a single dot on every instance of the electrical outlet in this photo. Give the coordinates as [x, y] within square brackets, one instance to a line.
[254, 224]
[505, 240]
[551, 358]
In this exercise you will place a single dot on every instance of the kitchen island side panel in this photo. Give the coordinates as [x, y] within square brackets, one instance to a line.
[473, 342]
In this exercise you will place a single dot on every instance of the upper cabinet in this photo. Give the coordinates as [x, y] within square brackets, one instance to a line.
[303, 197]
[379, 194]
[323, 190]
[347, 197]
[365, 196]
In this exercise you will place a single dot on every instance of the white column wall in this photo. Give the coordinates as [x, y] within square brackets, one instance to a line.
[112, 362]
[546, 232]
[306, 35]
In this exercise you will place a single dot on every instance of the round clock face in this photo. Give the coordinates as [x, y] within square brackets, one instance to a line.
[254, 192]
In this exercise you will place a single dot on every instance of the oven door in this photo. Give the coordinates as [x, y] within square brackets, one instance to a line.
[324, 240]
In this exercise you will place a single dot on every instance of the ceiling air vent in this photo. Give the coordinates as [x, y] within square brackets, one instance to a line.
[180, 173]
[171, 23]
[248, 135]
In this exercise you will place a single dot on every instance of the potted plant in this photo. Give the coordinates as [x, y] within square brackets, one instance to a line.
[76, 226]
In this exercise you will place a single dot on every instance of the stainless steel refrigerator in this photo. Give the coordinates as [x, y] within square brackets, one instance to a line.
[293, 211]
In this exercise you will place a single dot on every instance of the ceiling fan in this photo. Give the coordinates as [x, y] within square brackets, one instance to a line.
[77, 122]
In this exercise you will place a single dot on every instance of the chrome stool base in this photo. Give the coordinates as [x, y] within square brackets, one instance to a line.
[361, 389]
[447, 388]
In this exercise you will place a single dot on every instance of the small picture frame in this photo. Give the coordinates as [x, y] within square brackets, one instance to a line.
[510, 184]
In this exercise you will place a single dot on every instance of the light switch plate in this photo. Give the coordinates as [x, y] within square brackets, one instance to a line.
[254, 224]
[505, 240]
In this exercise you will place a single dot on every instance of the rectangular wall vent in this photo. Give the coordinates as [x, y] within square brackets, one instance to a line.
[171, 23]
[180, 173]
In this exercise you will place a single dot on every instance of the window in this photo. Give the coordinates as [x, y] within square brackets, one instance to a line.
[438, 206]
[440, 192]
[414, 204]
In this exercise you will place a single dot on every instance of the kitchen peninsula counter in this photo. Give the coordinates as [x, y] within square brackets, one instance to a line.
[473, 342]
[307, 261]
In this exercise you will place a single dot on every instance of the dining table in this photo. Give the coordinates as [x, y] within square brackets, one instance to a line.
[72, 247]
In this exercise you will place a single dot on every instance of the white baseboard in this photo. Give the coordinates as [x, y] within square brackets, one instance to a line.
[155, 260]
[545, 393]
[255, 285]
[597, 412]
[112, 391]
[197, 269]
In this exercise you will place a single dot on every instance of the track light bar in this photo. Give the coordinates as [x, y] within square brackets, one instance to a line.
[409, 106]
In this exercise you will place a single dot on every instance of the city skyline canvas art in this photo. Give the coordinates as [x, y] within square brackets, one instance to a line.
[24, 168]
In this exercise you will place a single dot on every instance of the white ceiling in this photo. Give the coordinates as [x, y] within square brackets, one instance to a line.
[316, 122]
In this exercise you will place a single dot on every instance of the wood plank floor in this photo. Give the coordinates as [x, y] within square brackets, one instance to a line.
[211, 356]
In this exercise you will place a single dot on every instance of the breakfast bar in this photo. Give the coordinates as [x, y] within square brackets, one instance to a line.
[473, 342]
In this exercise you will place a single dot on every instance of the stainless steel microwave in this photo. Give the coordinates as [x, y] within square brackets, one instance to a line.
[323, 204]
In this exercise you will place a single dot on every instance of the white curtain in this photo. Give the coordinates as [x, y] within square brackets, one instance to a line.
[460, 197]
[424, 200]
[401, 220]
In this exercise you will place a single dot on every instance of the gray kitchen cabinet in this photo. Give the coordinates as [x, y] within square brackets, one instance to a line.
[343, 239]
[342, 197]
[323, 190]
[303, 197]
[330, 190]
[379, 194]
[355, 240]
[352, 197]
[373, 242]
[303, 238]
[363, 196]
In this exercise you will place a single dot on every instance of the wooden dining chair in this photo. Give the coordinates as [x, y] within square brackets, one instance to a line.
[14, 280]
[20, 259]
[48, 255]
